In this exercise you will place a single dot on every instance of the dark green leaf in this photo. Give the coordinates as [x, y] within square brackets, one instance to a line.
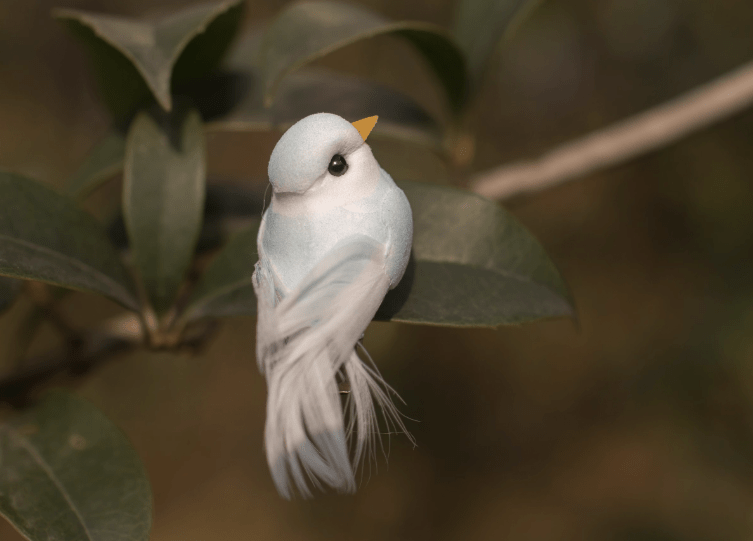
[225, 288]
[104, 161]
[310, 91]
[472, 264]
[481, 24]
[224, 205]
[163, 197]
[309, 30]
[67, 473]
[121, 86]
[204, 52]
[9, 290]
[302, 93]
[135, 58]
[44, 236]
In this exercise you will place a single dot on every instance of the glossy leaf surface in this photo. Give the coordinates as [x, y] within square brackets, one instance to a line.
[44, 236]
[311, 90]
[309, 30]
[67, 473]
[135, 59]
[163, 197]
[225, 288]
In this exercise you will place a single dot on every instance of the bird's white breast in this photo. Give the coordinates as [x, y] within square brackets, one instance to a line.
[293, 242]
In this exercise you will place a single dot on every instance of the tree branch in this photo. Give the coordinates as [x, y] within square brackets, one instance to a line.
[642, 133]
[120, 334]
[78, 360]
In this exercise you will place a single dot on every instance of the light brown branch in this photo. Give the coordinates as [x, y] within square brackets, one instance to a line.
[642, 133]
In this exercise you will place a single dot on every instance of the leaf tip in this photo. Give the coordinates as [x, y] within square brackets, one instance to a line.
[166, 101]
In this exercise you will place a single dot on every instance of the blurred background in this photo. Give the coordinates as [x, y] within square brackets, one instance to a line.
[634, 423]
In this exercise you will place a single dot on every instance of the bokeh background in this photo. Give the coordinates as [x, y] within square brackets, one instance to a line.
[635, 423]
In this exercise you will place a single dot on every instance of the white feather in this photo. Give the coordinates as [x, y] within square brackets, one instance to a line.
[303, 341]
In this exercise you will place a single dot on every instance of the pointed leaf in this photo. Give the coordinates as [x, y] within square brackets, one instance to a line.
[309, 30]
[121, 87]
[104, 161]
[238, 97]
[204, 52]
[9, 290]
[225, 288]
[472, 264]
[313, 90]
[300, 94]
[223, 205]
[481, 24]
[310, 91]
[135, 58]
[66, 472]
[44, 236]
[163, 197]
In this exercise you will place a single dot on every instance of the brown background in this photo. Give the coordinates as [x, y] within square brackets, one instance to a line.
[635, 425]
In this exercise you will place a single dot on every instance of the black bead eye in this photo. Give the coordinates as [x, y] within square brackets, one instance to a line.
[337, 165]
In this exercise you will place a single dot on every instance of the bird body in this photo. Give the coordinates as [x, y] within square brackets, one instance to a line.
[298, 233]
[336, 237]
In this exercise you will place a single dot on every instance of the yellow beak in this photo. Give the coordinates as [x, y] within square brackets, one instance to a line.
[365, 125]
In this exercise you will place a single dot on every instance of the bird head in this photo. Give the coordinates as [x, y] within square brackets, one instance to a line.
[323, 152]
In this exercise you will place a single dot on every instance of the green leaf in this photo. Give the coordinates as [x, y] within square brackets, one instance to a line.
[307, 30]
[134, 58]
[204, 52]
[481, 24]
[44, 236]
[313, 90]
[163, 197]
[104, 161]
[225, 288]
[121, 86]
[67, 473]
[9, 290]
[310, 91]
[302, 93]
[473, 264]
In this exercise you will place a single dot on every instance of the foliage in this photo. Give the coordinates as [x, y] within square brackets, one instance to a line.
[472, 264]
[69, 473]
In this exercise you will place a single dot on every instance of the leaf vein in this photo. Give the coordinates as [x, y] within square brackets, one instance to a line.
[39, 459]
[119, 291]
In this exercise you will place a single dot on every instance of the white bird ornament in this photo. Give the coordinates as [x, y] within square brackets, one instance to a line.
[336, 237]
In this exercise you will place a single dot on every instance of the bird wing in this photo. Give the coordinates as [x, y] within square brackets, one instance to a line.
[302, 343]
[396, 215]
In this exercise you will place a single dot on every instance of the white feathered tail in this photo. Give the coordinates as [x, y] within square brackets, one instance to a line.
[302, 341]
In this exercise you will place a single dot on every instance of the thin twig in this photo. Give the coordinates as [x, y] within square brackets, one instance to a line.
[120, 334]
[95, 349]
[642, 133]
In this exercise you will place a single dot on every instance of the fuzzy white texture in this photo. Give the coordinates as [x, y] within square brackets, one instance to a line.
[330, 247]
